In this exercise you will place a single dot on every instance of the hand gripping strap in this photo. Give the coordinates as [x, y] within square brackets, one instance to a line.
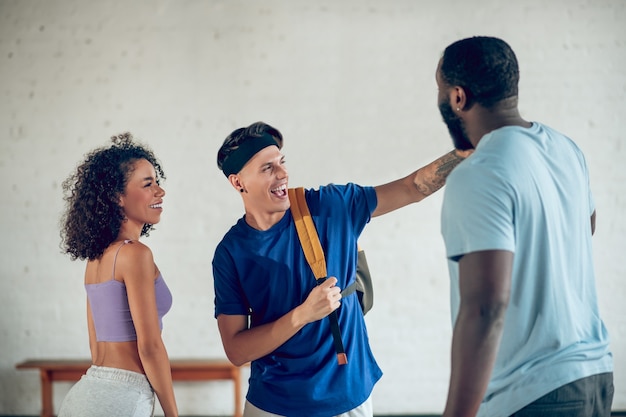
[315, 257]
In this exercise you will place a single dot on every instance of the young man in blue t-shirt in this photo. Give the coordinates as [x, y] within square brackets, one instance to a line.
[517, 220]
[269, 310]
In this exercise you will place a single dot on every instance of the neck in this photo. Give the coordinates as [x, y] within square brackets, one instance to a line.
[129, 231]
[481, 121]
[262, 221]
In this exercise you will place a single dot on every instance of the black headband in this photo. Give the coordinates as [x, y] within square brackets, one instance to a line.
[246, 150]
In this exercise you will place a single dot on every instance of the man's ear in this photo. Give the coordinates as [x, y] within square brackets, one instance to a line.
[235, 181]
[458, 98]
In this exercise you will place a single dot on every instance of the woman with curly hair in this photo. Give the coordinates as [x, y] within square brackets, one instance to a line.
[112, 199]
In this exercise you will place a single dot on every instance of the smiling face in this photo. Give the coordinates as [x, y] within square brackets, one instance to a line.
[143, 197]
[264, 181]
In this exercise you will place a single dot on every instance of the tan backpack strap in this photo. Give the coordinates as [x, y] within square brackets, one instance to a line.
[314, 254]
[306, 231]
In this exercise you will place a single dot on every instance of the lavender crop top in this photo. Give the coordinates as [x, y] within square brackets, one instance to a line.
[110, 309]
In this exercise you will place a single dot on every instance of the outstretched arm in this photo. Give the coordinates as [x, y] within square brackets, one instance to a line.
[418, 185]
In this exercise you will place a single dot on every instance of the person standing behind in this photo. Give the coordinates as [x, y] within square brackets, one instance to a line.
[517, 221]
[268, 307]
[112, 199]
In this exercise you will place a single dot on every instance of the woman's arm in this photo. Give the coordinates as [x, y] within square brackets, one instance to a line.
[243, 345]
[138, 271]
[93, 344]
[418, 185]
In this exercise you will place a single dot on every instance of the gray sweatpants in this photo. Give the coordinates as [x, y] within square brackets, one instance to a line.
[109, 392]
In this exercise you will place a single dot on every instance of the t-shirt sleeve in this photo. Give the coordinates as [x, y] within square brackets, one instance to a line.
[229, 296]
[592, 203]
[360, 202]
[477, 213]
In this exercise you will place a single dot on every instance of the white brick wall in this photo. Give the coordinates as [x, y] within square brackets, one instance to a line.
[350, 84]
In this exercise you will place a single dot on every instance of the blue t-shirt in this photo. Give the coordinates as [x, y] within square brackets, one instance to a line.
[265, 274]
[527, 191]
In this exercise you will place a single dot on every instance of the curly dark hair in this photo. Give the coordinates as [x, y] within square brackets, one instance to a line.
[238, 136]
[485, 67]
[93, 216]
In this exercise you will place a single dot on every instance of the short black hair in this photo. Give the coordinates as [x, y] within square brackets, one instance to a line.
[486, 68]
[238, 136]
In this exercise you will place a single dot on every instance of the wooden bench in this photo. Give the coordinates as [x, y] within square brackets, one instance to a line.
[51, 370]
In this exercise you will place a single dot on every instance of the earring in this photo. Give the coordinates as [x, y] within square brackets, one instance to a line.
[241, 190]
[457, 109]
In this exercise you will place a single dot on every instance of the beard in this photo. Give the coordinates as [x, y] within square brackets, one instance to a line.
[455, 127]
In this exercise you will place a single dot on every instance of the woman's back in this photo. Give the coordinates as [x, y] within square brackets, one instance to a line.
[109, 309]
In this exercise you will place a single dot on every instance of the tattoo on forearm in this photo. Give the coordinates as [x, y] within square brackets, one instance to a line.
[433, 176]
